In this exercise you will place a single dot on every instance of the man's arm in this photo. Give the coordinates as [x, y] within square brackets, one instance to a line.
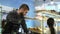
[24, 26]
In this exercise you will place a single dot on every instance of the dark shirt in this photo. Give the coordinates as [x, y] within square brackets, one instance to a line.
[14, 21]
[13, 17]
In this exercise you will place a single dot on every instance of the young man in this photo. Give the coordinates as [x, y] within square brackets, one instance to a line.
[15, 19]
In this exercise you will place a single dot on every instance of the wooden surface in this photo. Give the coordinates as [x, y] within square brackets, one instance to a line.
[37, 30]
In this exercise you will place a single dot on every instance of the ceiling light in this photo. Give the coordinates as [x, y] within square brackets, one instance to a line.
[52, 2]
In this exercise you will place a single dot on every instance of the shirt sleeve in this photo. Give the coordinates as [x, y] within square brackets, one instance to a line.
[11, 18]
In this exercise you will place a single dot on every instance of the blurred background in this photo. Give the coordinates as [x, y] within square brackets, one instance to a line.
[46, 9]
[40, 11]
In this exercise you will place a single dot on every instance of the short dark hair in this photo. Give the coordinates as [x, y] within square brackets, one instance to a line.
[50, 22]
[25, 6]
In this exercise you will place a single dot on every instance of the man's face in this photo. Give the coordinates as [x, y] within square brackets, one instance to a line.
[25, 12]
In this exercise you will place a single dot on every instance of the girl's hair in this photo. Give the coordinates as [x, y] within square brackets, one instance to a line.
[50, 23]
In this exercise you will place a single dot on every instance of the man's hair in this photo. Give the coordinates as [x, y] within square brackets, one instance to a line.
[25, 6]
[50, 22]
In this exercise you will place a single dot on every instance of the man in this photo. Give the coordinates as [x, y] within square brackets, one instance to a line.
[50, 23]
[15, 19]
